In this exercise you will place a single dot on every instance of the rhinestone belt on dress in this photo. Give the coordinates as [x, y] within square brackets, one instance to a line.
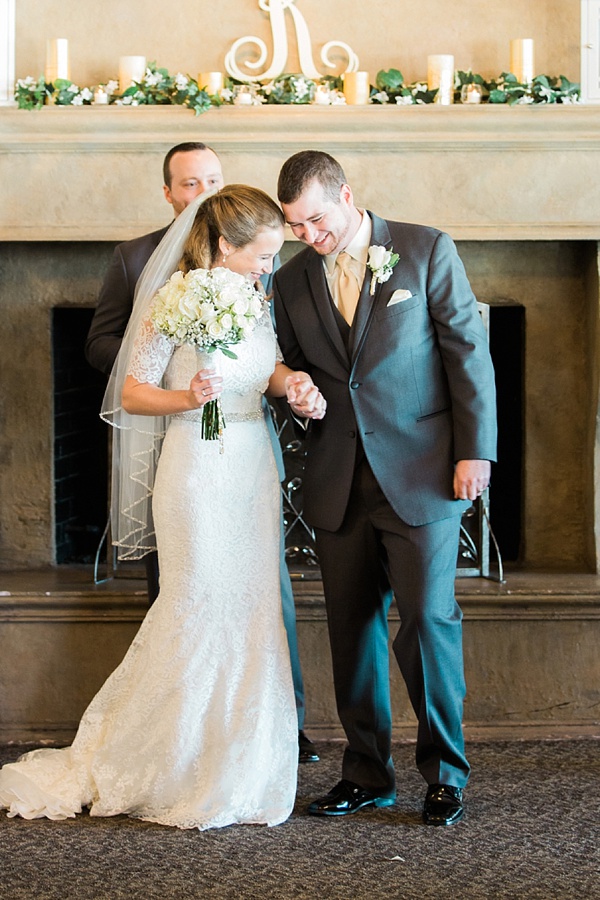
[195, 415]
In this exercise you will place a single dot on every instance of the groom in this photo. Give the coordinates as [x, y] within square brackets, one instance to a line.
[189, 169]
[403, 363]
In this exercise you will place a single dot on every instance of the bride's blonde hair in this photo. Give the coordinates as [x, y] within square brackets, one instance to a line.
[237, 213]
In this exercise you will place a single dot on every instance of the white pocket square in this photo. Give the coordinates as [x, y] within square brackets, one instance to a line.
[398, 297]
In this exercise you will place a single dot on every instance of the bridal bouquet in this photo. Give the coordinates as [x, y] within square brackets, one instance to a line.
[212, 309]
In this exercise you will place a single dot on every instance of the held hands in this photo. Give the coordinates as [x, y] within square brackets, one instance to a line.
[206, 385]
[471, 477]
[304, 397]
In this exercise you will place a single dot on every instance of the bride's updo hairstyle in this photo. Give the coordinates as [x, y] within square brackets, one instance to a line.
[237, 213]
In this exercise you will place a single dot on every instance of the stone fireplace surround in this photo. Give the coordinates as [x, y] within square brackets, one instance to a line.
[519, 191]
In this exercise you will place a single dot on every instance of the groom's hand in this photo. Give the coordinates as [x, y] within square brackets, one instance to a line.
[304, 397]
[471, 477]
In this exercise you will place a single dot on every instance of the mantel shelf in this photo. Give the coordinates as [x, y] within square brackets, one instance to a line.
[480, 172]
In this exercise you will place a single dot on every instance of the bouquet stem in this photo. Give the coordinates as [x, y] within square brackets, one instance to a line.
[213, 421]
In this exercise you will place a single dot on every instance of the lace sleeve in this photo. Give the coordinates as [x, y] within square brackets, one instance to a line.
[278, 353]
[150, 355]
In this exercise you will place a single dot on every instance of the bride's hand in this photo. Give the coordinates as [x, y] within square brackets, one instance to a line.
[304, 397]
[206, 385]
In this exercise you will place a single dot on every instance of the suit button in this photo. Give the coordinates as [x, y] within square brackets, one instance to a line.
[354, 385]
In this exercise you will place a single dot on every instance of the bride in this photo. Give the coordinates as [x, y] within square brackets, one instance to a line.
[197, 727]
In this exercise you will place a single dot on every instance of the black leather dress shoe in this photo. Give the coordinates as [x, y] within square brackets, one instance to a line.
[443, 805]
[345, 798]
[306, 748]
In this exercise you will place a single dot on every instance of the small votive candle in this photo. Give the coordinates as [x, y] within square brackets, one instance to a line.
[57, 60]
[100, 96]
[243, 98]
[131, 68]
[521, 59]
[212, 82]
[440, 76]
[471, 93]
[357, 88]
[322, 96]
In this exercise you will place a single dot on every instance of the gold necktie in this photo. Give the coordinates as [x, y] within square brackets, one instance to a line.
[347, 287]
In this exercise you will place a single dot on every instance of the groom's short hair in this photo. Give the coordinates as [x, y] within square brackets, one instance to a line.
[306, 166]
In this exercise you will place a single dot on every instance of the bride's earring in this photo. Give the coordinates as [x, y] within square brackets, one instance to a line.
[225, 255]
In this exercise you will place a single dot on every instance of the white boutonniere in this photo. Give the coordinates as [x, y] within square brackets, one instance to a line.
[381, 263]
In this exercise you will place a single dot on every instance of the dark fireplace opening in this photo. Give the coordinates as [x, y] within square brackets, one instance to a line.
[81, 450]
[507, 347]
[80, 441]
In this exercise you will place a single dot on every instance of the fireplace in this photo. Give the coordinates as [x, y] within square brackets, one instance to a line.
[517, 189]
[542, 372]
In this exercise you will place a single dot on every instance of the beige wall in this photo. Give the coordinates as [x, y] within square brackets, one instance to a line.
[188, 36]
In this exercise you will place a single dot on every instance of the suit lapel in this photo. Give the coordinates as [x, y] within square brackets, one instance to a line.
[380, 235]
[322, 299]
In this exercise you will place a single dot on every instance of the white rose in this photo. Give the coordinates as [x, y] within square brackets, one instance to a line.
[226, 321]
[377, 257]
[226, 296]
[187, 305]
[215, 329]
[207, 315]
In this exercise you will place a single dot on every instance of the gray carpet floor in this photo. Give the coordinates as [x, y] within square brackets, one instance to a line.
[532, 830]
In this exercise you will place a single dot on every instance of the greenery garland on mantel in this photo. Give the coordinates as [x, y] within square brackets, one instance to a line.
[158, 87]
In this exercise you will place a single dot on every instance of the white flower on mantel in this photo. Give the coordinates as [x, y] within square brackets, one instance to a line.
[404, 100]
[181, 81]
[151, 79]
[112, 87]
[380, 97]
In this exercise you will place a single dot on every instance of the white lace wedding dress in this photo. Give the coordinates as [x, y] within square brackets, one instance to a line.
[197, 727]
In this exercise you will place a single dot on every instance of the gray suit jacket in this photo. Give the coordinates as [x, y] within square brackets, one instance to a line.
[416, 387]
[116, 299]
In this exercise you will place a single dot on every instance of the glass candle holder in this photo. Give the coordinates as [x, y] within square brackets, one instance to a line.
[471, 93]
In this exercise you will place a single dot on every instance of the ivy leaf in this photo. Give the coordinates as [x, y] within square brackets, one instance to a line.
[390, 80]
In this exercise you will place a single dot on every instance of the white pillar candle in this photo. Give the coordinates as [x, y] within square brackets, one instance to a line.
[212, 82]
[521, 59]
[131, 68]
[357, 88]
[440, 76]
[100, 96]
[57, 60]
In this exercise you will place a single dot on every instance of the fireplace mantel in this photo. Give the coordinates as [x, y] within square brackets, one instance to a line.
[481, 173]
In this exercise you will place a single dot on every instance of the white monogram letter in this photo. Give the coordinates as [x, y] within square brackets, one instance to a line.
[276, 10]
